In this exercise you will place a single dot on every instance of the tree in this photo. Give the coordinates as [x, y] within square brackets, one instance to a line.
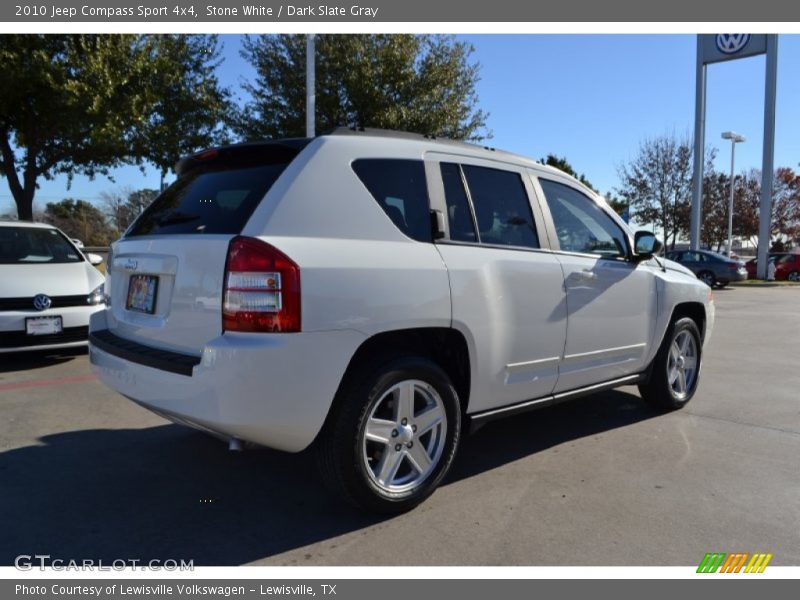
[419, 83]
[189, 107]
[123, 206]
[785, 218]
[83, 104]
[616, 203]
[560, 162]
[716, 194]
[79, 219]
[657, 183]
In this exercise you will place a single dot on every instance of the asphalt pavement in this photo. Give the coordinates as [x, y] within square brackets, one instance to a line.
[602, 480]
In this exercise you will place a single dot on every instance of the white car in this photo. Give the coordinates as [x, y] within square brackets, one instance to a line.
[48, 288]
[374, 293]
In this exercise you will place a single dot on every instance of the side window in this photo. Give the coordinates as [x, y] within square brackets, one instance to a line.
[581, 225]
[502, 209]
[399, 187]
[459, 215]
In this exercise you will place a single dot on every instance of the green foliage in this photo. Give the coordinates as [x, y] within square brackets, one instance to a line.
[81, 220]
[187, 105]
[618, 204]
[419, 83]
[560, 162]
[83, 104]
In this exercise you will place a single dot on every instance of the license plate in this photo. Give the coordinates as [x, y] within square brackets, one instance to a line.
[142, 292]
[43, 325]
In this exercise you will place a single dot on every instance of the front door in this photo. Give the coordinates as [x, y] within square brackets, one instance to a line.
[611, 301]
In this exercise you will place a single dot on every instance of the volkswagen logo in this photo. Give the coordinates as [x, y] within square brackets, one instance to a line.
[41, 302]
[731, 43]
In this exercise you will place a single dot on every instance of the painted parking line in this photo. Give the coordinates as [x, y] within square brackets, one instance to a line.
[21, 385]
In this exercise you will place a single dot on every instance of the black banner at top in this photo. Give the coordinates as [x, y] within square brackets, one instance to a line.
[340, 11]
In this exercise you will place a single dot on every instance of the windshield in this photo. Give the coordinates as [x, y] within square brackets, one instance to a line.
[33, 245]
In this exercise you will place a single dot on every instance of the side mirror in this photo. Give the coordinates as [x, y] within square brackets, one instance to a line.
[646, 244]
[94, 259]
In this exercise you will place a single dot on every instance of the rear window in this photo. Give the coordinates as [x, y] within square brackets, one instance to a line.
[501, 205]
[399, 187]
[33, 245]
[209, 200]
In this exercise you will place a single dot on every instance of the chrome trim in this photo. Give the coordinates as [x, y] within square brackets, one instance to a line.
[532, 363]
[607, 351]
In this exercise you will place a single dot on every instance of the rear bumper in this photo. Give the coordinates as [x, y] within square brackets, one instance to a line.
[271, 389]
[733, 276]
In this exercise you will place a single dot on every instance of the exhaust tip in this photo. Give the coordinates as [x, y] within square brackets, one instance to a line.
[235, 445]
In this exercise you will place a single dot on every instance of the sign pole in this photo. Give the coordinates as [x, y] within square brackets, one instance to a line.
[699, 149]
[768, 166]
[311, 96]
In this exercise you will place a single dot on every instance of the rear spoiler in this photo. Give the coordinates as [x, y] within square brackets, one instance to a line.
[238, 155]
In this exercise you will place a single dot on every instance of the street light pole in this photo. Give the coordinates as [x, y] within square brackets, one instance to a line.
[734, 138]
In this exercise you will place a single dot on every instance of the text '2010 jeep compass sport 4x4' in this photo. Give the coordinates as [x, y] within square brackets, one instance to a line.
[372, 294]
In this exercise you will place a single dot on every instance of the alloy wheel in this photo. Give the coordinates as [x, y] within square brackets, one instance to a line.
[404, 436]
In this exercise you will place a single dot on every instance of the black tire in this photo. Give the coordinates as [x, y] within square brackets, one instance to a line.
[659, 391]
[708, 278]
[722, 284]
[793, 276]
[348, 461]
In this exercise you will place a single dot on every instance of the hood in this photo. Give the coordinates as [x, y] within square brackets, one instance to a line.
[64, 279]
[673, 266]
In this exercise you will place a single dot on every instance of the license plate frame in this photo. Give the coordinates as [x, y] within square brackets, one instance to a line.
[142, 294]
[52, 325]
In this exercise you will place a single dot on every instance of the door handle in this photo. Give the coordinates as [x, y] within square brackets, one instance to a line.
[587, 274]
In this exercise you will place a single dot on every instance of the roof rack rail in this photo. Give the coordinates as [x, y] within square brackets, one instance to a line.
[392, 133]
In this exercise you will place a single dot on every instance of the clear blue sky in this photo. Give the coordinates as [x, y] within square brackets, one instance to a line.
[591, 98]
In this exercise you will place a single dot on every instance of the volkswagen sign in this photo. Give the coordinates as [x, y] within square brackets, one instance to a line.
[41, 302]
[731, 43]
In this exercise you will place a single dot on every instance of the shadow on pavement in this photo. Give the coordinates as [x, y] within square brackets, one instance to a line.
[37, 359]
[506, 440]
[168, 492]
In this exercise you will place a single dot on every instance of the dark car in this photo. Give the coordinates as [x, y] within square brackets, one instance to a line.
[711, 268]
[787, 266]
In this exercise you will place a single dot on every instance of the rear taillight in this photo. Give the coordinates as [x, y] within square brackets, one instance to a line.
[262, 289]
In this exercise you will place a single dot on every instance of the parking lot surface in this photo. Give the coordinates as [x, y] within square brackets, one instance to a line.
[603, 480]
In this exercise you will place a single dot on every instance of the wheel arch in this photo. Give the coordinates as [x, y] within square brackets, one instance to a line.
[445, 346]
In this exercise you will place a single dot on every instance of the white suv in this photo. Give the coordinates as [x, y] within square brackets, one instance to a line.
[373, 293]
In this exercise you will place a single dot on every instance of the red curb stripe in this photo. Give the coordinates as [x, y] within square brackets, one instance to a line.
[21, 385]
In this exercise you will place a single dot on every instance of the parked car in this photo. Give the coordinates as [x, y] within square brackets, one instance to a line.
[787, 266]
[48, 288]
[711, 268]
[377, 294]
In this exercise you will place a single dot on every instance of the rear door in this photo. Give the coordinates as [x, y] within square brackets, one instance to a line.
[506, 286]
[166, 274]
[611, 301]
